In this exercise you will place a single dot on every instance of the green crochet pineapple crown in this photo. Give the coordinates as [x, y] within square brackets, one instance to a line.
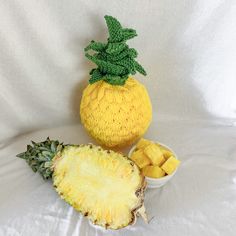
[115, 60]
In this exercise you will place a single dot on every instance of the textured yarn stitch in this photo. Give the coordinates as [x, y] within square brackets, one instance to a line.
[115, 60]
[116, 116]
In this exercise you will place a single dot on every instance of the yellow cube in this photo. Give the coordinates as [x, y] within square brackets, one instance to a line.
[140, 159]
[155, 155]
[166, 152]
[170, 165]
[143, 143]
[153, 171]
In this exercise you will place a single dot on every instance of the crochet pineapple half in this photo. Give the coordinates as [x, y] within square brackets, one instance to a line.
[115, 108]
[116, 115]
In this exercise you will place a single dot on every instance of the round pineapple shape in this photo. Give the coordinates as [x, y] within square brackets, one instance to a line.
[116, 115]
[115, 108]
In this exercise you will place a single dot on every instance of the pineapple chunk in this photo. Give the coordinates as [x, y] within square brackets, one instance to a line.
[143, 143]
[170, 165]
[153, 171]
[155, 155]
[166, 152]
[140, 159]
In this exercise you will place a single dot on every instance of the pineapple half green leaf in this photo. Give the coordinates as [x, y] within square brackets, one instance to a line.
[105, 186]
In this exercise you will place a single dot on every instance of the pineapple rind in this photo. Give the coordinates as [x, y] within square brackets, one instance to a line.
[103, 185]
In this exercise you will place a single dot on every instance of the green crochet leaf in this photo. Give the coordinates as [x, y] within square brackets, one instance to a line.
[106, 67]
[115, 80]
[96, 46]
[128, 34]
[96, 75]
[101, 56]
[139, 68]
[116, 48]
[114, 29]
[115, 60]
[131, 52]
[128, 63]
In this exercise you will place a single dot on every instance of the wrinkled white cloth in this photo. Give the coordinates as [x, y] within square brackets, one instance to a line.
[188, 49]
[199, 200]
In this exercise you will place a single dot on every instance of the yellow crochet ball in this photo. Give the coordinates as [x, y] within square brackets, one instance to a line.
[116, 116]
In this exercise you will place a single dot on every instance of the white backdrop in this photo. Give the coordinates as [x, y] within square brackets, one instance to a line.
[188, 49]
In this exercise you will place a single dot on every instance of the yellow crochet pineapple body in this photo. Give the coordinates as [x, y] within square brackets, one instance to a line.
[116, 115]
[115, 108]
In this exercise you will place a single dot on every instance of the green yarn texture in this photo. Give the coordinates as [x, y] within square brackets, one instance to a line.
[115, 60]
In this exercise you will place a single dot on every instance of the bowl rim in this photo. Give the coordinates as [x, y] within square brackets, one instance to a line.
[161, 178]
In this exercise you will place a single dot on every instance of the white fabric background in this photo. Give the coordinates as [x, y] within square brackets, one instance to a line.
[188, 49]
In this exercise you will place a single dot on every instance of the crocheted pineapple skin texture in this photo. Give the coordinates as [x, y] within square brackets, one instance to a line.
[116, 116]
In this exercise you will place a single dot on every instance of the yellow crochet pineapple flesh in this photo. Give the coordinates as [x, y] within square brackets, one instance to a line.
[103, 185]
[170, 165]
[153, 171]
[140, 159]
[154, 153]
[116, 115]
[142, 143]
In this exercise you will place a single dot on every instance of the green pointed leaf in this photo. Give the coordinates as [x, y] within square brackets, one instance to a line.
[114, 29]
[53, 147]
[128, 34]
[131, 52]
[42, 149]
[21, 155]
[107, 67]
[96, 75]
[139, 68]
[101, 56]
[96, 46]
[47, 164]
[47, 153]
[34, 168]
[128, 63]
[116, 48]
[59, 147]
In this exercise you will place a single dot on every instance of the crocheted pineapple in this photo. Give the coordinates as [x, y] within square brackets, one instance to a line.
[115, 108]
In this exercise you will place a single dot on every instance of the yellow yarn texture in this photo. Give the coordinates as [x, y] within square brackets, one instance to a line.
[116, 116]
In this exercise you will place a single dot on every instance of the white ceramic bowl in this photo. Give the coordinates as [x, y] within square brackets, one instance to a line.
[157, 182]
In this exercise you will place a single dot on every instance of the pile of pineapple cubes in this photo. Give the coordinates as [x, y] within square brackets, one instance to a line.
[154, 160]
